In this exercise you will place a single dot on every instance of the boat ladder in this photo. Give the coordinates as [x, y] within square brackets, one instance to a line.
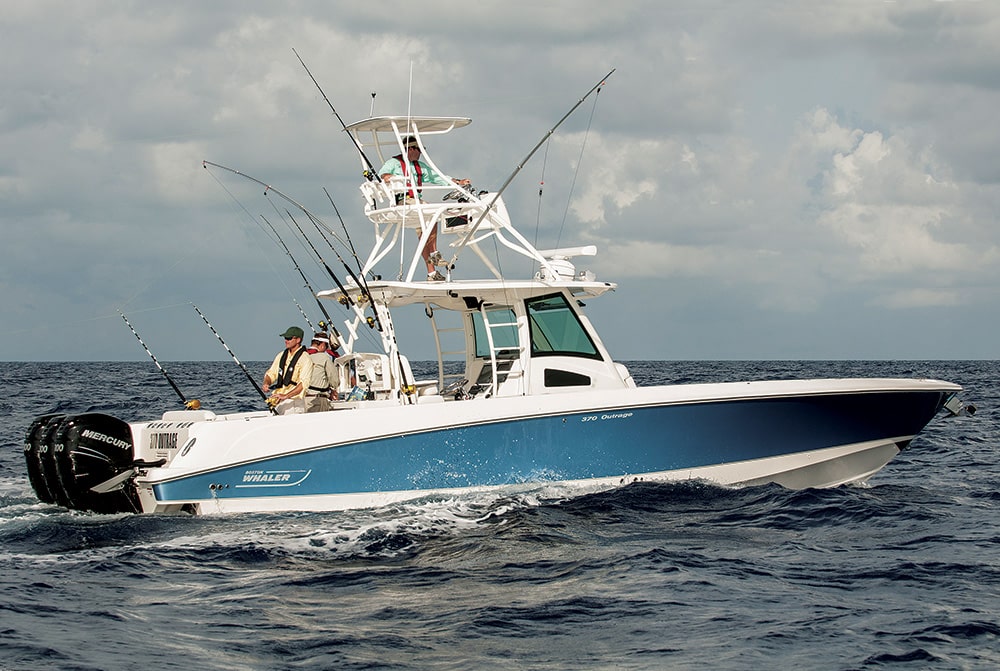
[502, 357]
[446, 333]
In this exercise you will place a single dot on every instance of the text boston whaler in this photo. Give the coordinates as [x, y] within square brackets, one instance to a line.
[538, 397]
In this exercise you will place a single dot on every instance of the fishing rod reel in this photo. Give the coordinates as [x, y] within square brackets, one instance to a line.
[461, 194]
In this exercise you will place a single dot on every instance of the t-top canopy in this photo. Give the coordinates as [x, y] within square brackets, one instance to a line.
[422, 124]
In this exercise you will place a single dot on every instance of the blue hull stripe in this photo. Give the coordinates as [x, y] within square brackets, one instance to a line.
[628, 441]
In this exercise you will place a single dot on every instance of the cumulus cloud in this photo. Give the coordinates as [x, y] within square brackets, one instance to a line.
[844, 206]
[782, 159]
[882, 199]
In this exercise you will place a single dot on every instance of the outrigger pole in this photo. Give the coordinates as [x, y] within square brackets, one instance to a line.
[193, 404]
[370, 173]
[472, 231]
[238, 362]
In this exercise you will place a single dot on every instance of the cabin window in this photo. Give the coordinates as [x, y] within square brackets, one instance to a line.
[503, 325]
[556, 329]
[565, 378]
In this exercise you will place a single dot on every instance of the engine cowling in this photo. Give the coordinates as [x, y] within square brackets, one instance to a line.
[67, 455]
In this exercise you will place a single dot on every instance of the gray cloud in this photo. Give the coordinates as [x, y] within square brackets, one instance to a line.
[764, 180]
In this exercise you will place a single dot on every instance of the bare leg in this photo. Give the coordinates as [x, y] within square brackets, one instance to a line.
[431, 246]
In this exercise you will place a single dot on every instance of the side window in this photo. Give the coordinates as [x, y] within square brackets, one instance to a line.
[504, 330]
[556, 329]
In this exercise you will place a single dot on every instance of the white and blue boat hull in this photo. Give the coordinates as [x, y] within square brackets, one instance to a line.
[784, 432]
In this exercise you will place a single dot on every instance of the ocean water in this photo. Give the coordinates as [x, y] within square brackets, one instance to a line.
[901, 574]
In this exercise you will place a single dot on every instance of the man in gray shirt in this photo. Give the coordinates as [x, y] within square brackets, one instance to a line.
[324, 380]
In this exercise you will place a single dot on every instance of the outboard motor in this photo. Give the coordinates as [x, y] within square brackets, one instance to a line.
[35, 445]
[67, 455]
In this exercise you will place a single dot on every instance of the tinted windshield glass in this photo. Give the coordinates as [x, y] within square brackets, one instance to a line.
[555, 329]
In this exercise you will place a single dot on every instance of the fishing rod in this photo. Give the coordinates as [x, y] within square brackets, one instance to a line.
[345, 296]
[314, 218]
[360, 282]
[323, 261]
[343, 225]
[304, 315]
[376, 320]
[238, 362]
[354, 276]
[194, 403]
[371, 173]
[373, 322]
[301, 274]
[251, 217]
[328, 322]
[324, 324]
[472, 231]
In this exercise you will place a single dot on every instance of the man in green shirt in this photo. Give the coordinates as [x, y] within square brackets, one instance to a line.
[420, 173]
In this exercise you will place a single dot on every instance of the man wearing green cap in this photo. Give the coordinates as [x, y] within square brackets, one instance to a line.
[289, 374]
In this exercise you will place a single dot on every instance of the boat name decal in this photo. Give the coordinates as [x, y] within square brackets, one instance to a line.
[258, 478]
[163, 441]
[610, 415]
[104, 438]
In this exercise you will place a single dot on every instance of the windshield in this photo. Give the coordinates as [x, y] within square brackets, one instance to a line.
[556, 329]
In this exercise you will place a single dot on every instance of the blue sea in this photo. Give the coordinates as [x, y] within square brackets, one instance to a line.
[901, 574]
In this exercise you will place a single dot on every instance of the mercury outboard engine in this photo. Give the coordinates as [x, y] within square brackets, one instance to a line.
[67, 455]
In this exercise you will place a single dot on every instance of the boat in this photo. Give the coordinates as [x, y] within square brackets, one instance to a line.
[526, 392]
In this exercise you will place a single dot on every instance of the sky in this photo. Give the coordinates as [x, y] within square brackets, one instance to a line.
[770, 179]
